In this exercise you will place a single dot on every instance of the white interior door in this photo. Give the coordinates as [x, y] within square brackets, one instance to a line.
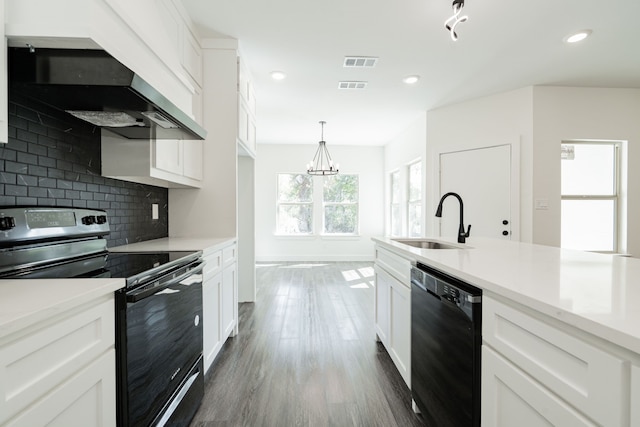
[482, 178]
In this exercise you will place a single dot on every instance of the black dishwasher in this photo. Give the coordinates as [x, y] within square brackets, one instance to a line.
[446, 317]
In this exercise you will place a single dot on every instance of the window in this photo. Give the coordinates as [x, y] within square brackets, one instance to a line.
[340, 204]
[590, 196]
[414, 200]
[394, 214]
[295, 204]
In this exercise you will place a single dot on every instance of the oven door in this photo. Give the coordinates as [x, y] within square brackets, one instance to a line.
[160, 328]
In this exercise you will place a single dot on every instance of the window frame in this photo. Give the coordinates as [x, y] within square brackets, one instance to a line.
[413, 202]
[615, 196]
[294, 203]
[397, 204]
[356, 232]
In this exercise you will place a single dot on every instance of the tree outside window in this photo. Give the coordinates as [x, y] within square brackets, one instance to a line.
[295, 204]
[340, 204]
[414, 200]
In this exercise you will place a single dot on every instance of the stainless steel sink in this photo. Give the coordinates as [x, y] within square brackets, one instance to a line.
[426, 244]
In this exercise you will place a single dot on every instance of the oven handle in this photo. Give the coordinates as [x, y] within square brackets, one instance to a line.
[136, 296]
[174, 404]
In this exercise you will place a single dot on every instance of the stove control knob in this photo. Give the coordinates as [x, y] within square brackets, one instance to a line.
[101, 219]
[7, 223]
[88, 220]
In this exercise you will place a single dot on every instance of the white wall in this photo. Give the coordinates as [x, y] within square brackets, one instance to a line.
[407, 147]
[367, 162]
[566, 113]
[500, 119]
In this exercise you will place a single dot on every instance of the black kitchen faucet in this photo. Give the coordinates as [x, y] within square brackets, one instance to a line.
[461, 233]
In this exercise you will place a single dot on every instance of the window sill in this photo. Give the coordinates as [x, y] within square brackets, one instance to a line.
[315, 236]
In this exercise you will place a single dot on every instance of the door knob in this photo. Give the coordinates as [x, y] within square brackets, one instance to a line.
[505, 222]
[505, 233]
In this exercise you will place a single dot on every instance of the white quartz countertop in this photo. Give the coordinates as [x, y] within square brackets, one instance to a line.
[177, 244]
[26, 302]
[597, 293]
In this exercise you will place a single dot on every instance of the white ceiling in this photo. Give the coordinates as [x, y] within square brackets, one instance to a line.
[505, 45]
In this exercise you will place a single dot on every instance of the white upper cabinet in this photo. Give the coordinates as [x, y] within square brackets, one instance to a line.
[163, 163]
[4, 98]
[246, 112]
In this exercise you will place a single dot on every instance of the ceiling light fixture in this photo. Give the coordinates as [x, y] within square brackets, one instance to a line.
[411, 79]
[322, 164]
[579, 36]
[278, 75]
[455, 19]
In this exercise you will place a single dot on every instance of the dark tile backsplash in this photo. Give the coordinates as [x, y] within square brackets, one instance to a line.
[53, 159]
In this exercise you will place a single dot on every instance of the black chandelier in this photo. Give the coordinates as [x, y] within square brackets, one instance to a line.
[322, 164]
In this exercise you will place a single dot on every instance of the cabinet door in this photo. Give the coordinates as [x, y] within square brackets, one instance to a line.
[167, 155]
[228, 305]
[88, 399]
[243, 122]
[401, 328]
[192, 159]
[4, 98]
[382, 304]
[635, 395]
[512, 398]
[585, 376]
[211, 338]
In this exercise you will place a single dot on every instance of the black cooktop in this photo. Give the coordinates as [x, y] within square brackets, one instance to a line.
[120, 265]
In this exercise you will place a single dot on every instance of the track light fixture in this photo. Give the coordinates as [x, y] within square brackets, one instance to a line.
[451, 23]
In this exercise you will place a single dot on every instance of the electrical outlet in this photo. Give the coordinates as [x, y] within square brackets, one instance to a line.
[154, 211]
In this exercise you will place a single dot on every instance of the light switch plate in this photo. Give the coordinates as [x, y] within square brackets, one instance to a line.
[154, 211]
[542, 204]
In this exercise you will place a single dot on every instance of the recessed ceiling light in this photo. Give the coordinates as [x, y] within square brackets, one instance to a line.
[579, 36]
[411, 79]
[278, 75]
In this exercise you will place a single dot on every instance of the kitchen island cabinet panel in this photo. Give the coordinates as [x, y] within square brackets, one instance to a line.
[510, 397]
[587, 377]
[393, 308]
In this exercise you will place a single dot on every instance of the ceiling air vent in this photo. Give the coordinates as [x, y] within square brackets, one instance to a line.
[352, 85]
[360, 61]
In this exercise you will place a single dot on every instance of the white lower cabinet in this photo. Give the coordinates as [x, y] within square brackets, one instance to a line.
[393, 309]
[534, 373]
[635, 395]
[219, 301]
[61, 374]
[512, 398]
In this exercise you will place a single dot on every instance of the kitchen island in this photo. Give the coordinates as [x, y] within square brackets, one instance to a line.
[560, 335]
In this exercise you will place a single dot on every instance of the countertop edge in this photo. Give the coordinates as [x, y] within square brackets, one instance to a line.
[56, 296]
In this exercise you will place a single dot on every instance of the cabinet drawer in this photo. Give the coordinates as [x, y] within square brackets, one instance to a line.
[398, 267]
[512, 398]
[228, 255]
[585, 376]
[34, 364]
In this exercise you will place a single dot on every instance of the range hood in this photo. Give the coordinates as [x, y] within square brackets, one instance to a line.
[95, 87]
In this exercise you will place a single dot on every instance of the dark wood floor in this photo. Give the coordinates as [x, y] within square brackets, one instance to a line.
[306, 355]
